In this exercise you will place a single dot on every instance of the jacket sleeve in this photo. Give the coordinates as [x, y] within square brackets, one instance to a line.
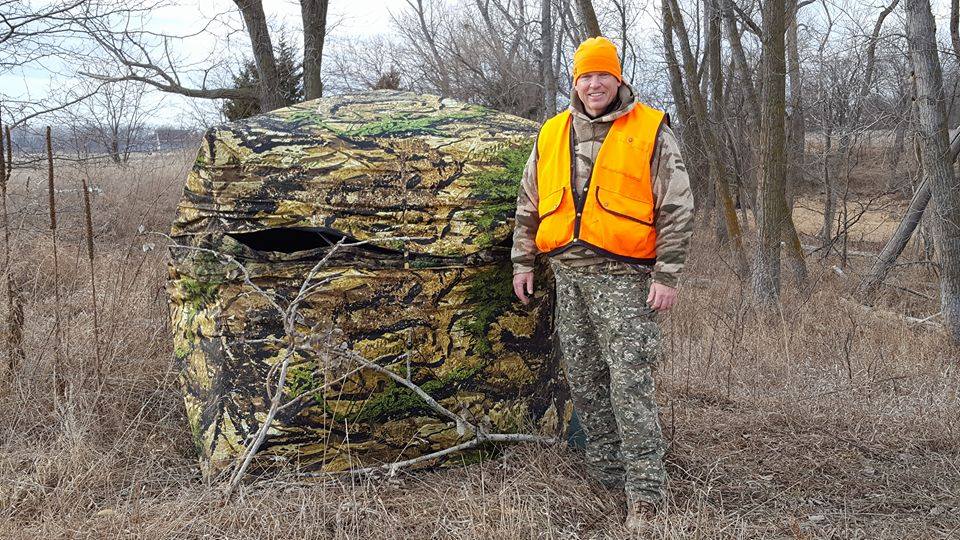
[673, 207]
[527, 219]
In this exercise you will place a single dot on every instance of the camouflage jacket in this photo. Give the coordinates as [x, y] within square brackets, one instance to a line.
[673, 200]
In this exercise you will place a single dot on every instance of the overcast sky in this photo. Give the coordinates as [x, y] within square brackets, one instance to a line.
[348, 17]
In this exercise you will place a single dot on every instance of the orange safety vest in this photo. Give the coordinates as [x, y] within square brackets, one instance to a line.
[615, 217]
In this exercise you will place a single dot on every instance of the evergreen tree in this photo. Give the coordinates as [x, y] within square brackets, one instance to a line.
[290, 70]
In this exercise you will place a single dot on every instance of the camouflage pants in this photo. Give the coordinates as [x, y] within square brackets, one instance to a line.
[610, 343]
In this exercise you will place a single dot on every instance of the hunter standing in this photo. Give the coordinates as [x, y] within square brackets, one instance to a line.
[606, 196]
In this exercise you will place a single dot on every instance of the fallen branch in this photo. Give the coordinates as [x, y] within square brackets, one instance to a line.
[925, 322]
[810, 250]
[392, 468]
[909, 291]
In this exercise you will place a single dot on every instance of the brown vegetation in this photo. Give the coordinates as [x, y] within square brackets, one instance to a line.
[819, 419]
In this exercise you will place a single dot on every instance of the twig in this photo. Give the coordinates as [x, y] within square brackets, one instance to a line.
[262, 432]
[412, 386]
[323, 387]
[923, 320]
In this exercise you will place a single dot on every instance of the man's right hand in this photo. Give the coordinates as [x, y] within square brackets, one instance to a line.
[523, 286]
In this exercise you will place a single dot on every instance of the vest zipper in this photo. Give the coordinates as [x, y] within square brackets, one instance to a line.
[579, 200]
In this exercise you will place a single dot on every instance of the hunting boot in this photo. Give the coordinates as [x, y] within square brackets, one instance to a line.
[640, 515]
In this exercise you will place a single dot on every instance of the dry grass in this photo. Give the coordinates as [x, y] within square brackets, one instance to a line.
[819, 420]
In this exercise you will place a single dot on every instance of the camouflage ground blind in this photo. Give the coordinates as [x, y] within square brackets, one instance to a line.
[273, 192]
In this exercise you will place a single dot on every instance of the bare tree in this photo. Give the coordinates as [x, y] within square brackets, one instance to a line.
[708, 132]
[367, 63]
[685, 123]
[421, 35]
[147, 57]
[484, 51]
[38, 35]
[770, 205]
[935, 152]
[113, 117]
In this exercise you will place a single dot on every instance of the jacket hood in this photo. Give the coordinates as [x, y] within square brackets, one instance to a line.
[626, 98]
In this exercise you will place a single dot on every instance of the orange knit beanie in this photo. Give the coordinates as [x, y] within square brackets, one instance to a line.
[596, 54]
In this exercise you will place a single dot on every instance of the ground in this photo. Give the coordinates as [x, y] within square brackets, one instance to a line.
[822, 419]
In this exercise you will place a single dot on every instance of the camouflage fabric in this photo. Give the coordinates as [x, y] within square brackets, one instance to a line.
[274, 191]
[671, 190]
[610, 343]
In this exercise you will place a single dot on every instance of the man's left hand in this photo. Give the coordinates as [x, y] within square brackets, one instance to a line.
[662, 297]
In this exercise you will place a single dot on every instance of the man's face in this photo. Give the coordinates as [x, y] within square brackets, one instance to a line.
[597, 90]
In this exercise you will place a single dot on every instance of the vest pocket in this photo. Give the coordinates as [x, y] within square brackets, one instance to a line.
[624, 224]
[550, 203]
[625, 207]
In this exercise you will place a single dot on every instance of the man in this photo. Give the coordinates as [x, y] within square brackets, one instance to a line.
[605, 195]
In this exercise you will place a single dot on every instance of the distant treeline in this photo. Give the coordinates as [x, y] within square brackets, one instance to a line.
[73, 140]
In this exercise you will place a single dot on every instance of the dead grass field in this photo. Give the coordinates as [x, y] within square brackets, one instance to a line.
[820, 420]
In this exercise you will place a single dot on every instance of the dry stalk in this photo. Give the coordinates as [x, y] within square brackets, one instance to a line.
[58, 376]
[88, 226]
[15, 354]
[14, 299]
[12, 361]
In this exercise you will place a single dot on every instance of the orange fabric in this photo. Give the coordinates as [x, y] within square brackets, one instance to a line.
[617, 216]
[596, 54]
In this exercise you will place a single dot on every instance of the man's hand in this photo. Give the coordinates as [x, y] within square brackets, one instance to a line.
[661, 298]
[523, 286]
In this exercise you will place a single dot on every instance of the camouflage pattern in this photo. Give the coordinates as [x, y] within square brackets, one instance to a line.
[671, 189]
[270, 191]
[610, 344]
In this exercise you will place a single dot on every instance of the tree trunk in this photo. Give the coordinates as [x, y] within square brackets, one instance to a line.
[314, 15]
[771, 207]
[589, 16]
[715, 79]
[897, 242]
[714, 76]
[740, 61]
[955, 26]
[548, 77]
[256, 21]
[673, 70]
[713, 61]
[796, 145]
[829, 197]
[935, 152]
